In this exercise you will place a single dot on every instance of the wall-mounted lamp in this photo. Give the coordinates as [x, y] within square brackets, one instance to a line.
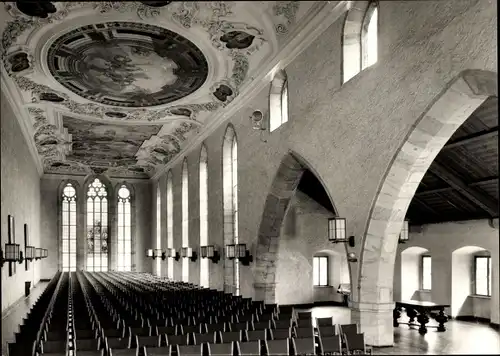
[45, 253]
[210, 252]
[351, 257]
[240, 252]
[173, 254]
[38, 253]
[404, 234]
[158, 253]
[187, 252]
[150, 253]
[257, 118]
[30, 253]
[337, 231]
[13, 254]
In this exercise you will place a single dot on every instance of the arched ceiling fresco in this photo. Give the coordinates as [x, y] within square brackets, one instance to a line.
[120, 87]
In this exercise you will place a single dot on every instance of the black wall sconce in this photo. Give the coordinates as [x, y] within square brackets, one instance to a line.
[210, 252]
[187, 252]
[240, 252]
[38, 253]
[337, 231]
[171, 253]
[405, 232]
[158, 253]
[13, 253]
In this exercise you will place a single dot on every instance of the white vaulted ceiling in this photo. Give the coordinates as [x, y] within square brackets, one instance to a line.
[122, 87]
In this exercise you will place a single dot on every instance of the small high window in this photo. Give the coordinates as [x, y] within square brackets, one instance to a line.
[278, 101]
[320, 271]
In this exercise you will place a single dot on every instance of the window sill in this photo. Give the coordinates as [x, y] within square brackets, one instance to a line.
[323, 286]
[480, 296]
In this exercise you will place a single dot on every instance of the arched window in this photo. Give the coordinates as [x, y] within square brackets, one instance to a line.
[369, 44]
[69, 228]
[230, 204]
[97, 227]
[278, 101]
[204, 262]
[124, 245]
[360, 38]
[158, 228]
[185, 219]
[170, 224]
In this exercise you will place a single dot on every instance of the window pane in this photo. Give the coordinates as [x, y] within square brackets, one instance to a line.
[482, 275]
[315, 271]
[323, 271]
[371, 41]
[426, 273]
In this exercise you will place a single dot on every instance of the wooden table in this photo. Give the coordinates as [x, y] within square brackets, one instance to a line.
[420, 310]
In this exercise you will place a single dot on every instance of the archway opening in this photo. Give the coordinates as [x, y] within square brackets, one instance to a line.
[411, 274]
[471, 283]
[296, 211]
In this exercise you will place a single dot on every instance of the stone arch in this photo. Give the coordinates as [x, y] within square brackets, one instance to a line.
[424, 141]
[283, 188]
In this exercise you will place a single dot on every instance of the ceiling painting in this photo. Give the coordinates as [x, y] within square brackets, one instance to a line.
[121, 88]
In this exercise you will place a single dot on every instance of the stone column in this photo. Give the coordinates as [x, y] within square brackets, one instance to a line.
[265, 292]
[375, 321]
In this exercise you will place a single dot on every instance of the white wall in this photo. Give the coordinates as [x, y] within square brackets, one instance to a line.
[442, 240]
[410, 274]
[20, 189]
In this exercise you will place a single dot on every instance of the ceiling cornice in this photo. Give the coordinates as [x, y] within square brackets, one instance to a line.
[321, 16]
[57, 176]
[22, 118]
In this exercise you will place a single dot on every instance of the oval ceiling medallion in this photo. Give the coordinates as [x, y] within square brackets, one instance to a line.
[127, 64]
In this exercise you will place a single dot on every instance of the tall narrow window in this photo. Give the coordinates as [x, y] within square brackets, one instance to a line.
[482, 272]
[69, 228]
[230, 205]
[320, 271]
[185, 219]
[204, 262]
[359, 39]
[369, 44]
[426, 273]
[278, 101]
[158, 228]
[97, 227]
[124, 246]
[170, 224]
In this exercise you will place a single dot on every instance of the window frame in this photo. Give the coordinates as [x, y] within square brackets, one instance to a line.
[319, 271]
[278, 96]
[488, 276]
[422, 257]
[76, 197]
[120, 239]
[367, 18]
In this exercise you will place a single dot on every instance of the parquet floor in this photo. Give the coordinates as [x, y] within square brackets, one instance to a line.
[461, 337]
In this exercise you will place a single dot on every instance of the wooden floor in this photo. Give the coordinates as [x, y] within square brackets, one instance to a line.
[14, 315]
[461, 337]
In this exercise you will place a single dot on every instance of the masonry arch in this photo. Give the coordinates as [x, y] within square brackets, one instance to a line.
[429, 134]
[283, 188]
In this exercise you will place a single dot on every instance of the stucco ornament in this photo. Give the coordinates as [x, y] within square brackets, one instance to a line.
[287, 12]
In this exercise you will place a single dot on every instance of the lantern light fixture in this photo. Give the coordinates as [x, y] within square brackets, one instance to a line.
[404, 234]
[150, 253]
[240, 252]
[337, 231]
[38, 253]
[210, 252]
[187, 252]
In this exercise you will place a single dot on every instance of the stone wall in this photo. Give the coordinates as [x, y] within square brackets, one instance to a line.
[441, 241]
[20, 194]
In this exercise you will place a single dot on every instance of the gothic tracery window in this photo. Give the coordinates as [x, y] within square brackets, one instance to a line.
[124, 246]
[97, 227]
[69, 228]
